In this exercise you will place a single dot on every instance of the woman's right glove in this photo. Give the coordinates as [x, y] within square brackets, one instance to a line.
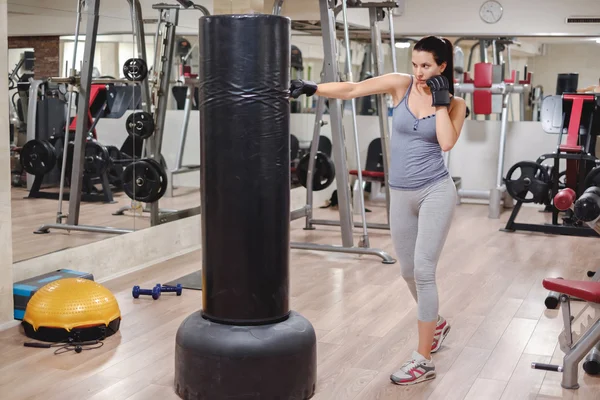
[298, 87]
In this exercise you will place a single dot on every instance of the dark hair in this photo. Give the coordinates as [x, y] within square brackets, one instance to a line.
[442, 51]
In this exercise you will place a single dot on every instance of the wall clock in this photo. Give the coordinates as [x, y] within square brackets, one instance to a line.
[491, 11]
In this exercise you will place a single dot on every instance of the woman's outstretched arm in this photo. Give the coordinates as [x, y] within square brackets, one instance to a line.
[393, 84]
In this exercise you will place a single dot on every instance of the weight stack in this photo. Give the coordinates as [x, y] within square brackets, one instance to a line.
[245, 342]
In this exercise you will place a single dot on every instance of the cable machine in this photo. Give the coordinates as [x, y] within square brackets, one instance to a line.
[154, 103]
[330, 73]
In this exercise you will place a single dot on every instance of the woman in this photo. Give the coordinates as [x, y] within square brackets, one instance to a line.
[427, 120]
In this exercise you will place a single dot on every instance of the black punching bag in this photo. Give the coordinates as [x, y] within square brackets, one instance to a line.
[245, 343]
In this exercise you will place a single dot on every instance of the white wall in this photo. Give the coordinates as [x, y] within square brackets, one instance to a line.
[583, 58]
[531, 17]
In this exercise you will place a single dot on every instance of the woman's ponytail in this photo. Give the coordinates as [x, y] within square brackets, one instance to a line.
[449, 71]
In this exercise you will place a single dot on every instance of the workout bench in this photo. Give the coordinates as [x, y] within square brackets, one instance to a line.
[575, 345]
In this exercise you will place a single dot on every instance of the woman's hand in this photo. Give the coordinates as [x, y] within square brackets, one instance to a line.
[298, 87]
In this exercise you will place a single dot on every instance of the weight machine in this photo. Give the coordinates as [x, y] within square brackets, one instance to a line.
[578, 115]
[491, 93]
[328, 11]
[586, 340]
[161, 77]
[141, 172]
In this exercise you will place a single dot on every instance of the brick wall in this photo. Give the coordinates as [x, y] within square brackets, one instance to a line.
[47, 49]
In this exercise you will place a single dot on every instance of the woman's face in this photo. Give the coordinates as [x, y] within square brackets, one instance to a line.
[425, 67]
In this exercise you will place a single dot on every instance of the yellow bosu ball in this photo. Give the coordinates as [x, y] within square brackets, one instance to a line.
[68, 304]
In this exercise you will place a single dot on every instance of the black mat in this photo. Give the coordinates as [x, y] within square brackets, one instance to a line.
[191, 281]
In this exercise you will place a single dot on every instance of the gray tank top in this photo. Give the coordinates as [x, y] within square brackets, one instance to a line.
[416, 155]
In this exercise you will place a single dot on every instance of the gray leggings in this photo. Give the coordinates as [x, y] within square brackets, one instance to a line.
[419, 222]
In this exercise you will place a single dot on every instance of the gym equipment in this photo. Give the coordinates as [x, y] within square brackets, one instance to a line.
[166, 42]
[591, 365]
[144, 180]
[578, 115]
[565, 199]
[23, 290]
[155, 292]
[491, 93]
[323, 172]
[140, 124]
[40, 157]
[532, 185]
[178, 289]
[75, 308]
[37, 157]
[135, 69]
[330, 73]
[155, 99]
[245, 339]
[575, 345]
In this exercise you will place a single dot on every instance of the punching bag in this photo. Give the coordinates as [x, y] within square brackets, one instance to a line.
[245, 342]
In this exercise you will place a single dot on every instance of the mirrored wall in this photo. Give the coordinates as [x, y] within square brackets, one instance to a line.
[120, 190]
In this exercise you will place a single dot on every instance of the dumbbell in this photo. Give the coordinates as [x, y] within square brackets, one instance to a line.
[154, 292]
[172, 289]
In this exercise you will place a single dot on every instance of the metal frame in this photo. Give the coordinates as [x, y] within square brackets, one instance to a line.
[179, 167]
[331, 74]
[497, 196]
[169, 16]
[84, 82]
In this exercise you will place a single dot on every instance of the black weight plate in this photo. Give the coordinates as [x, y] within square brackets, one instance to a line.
[135, 69]
[37, 157]
[532, 186]
[163, 178]
[140, 124]
[141, 181]
[592, 178]
[96, 158]
[324, 172]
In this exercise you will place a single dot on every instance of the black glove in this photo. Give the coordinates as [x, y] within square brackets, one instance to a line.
[298, 87]
[468, 112]
[440, 90]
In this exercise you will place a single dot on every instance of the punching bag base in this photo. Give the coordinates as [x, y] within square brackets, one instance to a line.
[215, 361]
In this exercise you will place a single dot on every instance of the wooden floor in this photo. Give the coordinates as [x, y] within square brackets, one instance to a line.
[29, 214]
[490, 292]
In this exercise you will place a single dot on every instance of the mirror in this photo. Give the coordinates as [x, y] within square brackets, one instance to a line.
[114, 160]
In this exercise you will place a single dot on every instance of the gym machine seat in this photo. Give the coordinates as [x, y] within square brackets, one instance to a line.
[584, 290]
[373, 172]
[575, 345]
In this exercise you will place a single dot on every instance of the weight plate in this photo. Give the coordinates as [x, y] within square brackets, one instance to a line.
[96, 158]
[163, 179]
[140, 124]
[592, 178]
[532, 186]
[141, 181]
[323, 174]
[37, 157]
[135, 69]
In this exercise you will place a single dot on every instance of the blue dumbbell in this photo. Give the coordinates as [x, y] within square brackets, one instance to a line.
[154, 292]
[172, 289]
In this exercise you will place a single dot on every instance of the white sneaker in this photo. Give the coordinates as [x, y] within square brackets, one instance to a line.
[441, 331]
[419, 369]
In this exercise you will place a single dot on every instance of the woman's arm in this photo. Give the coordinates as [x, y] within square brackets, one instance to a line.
[393, 84]
[449, 122]
[587, 89]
